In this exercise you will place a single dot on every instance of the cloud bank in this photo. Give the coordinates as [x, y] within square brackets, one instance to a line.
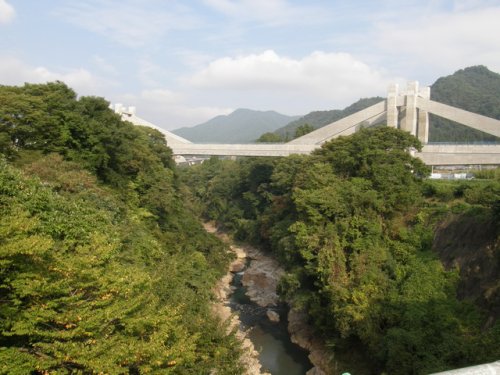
[14, 71]
[325, 77]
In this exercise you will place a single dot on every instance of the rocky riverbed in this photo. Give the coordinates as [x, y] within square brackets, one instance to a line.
[260, 278]
[222, 291]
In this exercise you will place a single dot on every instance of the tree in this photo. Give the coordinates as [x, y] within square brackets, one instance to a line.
[270, 138]
[303, 130]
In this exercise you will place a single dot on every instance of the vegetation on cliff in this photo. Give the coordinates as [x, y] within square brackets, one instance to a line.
[354, 225]
[103, 267]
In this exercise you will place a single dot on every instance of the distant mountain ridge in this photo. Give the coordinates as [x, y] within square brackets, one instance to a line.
[240, 126]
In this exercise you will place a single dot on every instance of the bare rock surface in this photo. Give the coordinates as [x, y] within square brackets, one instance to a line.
[302, 334]
[273, 316]
[261, 278]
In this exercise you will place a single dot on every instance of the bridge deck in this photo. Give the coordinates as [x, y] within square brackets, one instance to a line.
[431, 154]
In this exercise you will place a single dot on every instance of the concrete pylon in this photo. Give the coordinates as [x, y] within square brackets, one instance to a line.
[409, 121]
[423, 117]
[392, 109]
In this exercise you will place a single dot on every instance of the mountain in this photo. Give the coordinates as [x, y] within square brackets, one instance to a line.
[318, 119]
[475, 89]
[240, 126]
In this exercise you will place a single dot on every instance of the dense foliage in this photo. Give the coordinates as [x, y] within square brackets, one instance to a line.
[103, 267]
[276, 138]
[354, 230]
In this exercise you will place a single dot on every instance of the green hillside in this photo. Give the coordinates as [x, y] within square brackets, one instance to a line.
[397, 274]
[241, 126]
[104, 268]
[474, 89]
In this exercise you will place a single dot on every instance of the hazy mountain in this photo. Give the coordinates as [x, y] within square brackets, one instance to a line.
[240, 126]
[474, 89]
[318, 119]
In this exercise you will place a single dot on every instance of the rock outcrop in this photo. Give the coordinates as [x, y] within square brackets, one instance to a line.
[261, 278]
[302, 334]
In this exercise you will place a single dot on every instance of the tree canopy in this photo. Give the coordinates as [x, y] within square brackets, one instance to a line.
[104, 268]
[354, 230]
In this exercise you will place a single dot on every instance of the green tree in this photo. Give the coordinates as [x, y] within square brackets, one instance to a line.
[270, 138]
[303, 130]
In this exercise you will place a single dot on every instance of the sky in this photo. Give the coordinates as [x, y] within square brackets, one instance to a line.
[181, 63]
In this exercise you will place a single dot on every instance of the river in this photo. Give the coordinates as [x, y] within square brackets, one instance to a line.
[277, 354]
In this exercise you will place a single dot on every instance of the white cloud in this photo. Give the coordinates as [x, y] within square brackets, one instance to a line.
[129, 22]
[16, 72]
[268, 12]
[7, 12]
[337, 78]
[470, 35]
[460, 5]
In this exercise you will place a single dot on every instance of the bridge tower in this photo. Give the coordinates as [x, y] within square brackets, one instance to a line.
[403, 112]
[423, 117]
[392, 105]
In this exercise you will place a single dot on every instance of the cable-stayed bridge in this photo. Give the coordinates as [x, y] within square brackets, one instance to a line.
[407, 110]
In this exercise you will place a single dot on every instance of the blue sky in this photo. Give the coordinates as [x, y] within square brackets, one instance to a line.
[183, 62]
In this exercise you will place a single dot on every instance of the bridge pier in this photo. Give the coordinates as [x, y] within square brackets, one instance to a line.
[409, 119]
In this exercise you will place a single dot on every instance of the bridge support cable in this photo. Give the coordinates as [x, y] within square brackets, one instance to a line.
[473, 120]
[338, 128]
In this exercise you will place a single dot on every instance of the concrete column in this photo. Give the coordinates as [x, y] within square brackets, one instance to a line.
[423, 117]
[409, 122]
[391, 106]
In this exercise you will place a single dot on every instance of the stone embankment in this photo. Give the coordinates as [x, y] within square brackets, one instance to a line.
[261, 279]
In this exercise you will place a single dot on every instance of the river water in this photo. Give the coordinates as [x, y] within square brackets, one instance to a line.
[278, 355]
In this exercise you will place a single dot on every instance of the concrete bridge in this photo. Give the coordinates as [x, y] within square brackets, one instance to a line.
[408, 110]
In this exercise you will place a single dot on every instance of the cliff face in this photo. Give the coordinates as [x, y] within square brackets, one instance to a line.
[472, 243]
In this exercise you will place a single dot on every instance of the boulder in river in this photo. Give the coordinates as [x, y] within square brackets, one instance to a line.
[261, 279]
[273, 316]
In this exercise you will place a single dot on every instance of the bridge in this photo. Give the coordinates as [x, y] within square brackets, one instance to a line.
[407, 110]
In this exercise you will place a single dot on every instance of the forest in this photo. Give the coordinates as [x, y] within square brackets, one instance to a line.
[105, 267]
[354, 225]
